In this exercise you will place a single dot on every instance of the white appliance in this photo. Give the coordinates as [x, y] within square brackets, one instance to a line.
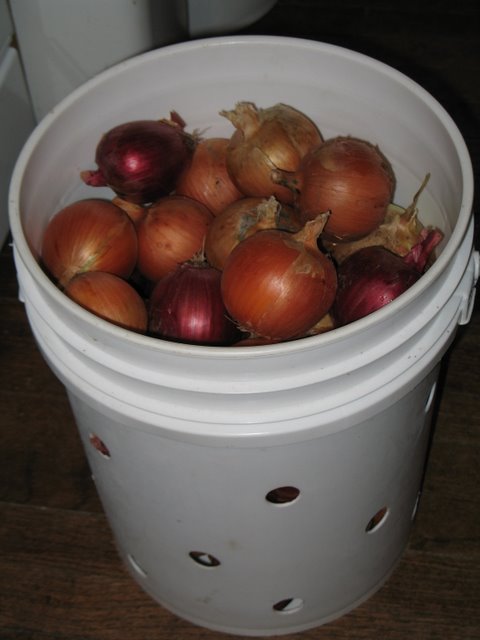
[16, 114]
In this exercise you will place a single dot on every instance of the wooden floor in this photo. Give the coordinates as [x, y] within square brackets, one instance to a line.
[60, 576]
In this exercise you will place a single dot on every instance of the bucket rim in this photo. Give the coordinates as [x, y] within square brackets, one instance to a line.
[23, 251]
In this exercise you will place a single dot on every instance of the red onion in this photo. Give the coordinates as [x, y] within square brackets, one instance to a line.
[186, 305]
[373, 276]
[141, 160]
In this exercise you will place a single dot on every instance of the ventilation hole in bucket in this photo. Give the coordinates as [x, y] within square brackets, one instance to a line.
[136, 567]
[282, 495]
[431, 396]
[288, 605]
[99, 445]
[377, 520]
[205, 559]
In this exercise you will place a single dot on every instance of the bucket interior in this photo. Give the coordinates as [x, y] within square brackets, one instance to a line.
[345, 93]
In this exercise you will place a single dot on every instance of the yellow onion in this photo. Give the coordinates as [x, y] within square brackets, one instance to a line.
[89, 235]
[172, 232]
[265, 140]
[242, 219]
[349, 177]
[278, 285]
[206, 178]
[399, 232]
[109, 297]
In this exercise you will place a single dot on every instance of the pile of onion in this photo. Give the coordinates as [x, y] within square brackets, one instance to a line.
[269, 235]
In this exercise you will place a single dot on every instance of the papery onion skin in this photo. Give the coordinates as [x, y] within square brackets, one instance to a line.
[398, 233]
[325, 324]
[141, 160]
[89, 235]
[349, 177]
[110, 298]
[243, 218]
[186, 306]
[265, 140]
[171, 233]
[277, 286]
[206, 177]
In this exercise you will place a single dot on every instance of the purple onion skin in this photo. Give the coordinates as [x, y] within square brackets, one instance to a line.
[369, 279]
[142, 160]
[186, 306]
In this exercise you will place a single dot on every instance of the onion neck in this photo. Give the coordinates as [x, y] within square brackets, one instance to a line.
[245, 117]
[311, 231]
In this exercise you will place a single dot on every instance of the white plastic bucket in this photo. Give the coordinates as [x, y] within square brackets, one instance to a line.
[269, 489]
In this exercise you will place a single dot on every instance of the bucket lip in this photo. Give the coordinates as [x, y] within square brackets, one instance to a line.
[187, 350]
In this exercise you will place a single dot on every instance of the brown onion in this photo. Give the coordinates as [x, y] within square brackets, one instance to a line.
[110, 298]
[89, 235]
[349, 177]
[265, 140]
[242, 219]
[277, 284]
[172, 232]
[206, 178]
[399, 232]
[186, 305]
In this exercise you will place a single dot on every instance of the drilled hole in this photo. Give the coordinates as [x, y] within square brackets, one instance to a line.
[431, 396]
[137, 568]
[99, 445]
[282, 495]
[377, 520]
[288, 605]
[205, 559]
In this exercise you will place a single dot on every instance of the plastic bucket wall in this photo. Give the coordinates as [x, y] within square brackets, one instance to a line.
[264, 490]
